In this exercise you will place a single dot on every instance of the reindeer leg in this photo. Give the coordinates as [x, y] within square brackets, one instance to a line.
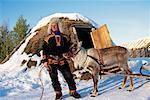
[131, 84]
[131, 80]
[125, 79]
[95, 90]
[123, 83]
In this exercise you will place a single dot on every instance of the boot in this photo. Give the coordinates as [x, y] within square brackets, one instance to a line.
[58, 95]
[75, 94]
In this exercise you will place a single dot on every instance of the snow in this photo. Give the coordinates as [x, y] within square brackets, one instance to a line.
[18, 84]
[72, 16]
[21, 85]
[16, 59]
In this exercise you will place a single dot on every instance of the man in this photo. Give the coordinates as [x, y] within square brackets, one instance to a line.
[53, 59]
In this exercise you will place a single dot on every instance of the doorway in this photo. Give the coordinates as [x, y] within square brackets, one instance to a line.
[84, 36]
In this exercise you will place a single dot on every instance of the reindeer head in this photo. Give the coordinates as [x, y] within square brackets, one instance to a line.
[72, 50]
[78, 73]
[81, 75]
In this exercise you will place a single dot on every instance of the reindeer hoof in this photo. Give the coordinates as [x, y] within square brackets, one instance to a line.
[129, 90]
[120, 88]
[94, 95]
[91, 92]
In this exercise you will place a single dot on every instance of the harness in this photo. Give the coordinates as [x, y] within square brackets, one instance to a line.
[77, 52]
[99, 61]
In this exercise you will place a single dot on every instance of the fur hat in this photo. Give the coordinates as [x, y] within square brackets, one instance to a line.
[57, 21]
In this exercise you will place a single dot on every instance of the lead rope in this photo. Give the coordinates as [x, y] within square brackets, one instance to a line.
[42, 85]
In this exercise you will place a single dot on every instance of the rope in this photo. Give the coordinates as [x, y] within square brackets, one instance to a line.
[41, 83]
[142, 67]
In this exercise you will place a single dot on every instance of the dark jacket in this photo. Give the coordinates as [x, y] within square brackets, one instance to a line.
[50, 48]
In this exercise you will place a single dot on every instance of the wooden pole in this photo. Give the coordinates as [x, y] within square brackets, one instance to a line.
[131, 75]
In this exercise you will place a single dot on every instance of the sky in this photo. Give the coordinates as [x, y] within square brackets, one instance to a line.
[127, 20]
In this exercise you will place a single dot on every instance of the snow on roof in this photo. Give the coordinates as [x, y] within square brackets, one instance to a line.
[72, 16]
[140, 43]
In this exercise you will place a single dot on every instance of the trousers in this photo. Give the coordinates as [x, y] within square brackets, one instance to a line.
[65, 70]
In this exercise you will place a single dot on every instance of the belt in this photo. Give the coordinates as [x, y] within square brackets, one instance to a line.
[56, 57]
[56, 60]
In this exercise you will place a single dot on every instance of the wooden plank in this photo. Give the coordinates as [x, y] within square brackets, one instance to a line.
[101, 37]
[104, 36]
[96, 39]
[131, 75]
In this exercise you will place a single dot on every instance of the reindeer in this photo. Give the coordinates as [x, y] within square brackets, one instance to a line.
[95, 60]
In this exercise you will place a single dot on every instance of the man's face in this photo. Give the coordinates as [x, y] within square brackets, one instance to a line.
[54, 27]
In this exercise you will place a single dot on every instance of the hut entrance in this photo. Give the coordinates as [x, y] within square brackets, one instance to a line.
[84, 36]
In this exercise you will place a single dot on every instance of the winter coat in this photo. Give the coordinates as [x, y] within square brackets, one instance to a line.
[51, 48]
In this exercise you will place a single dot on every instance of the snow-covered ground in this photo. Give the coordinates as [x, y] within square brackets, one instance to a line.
[16, 84]
[20, 85]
